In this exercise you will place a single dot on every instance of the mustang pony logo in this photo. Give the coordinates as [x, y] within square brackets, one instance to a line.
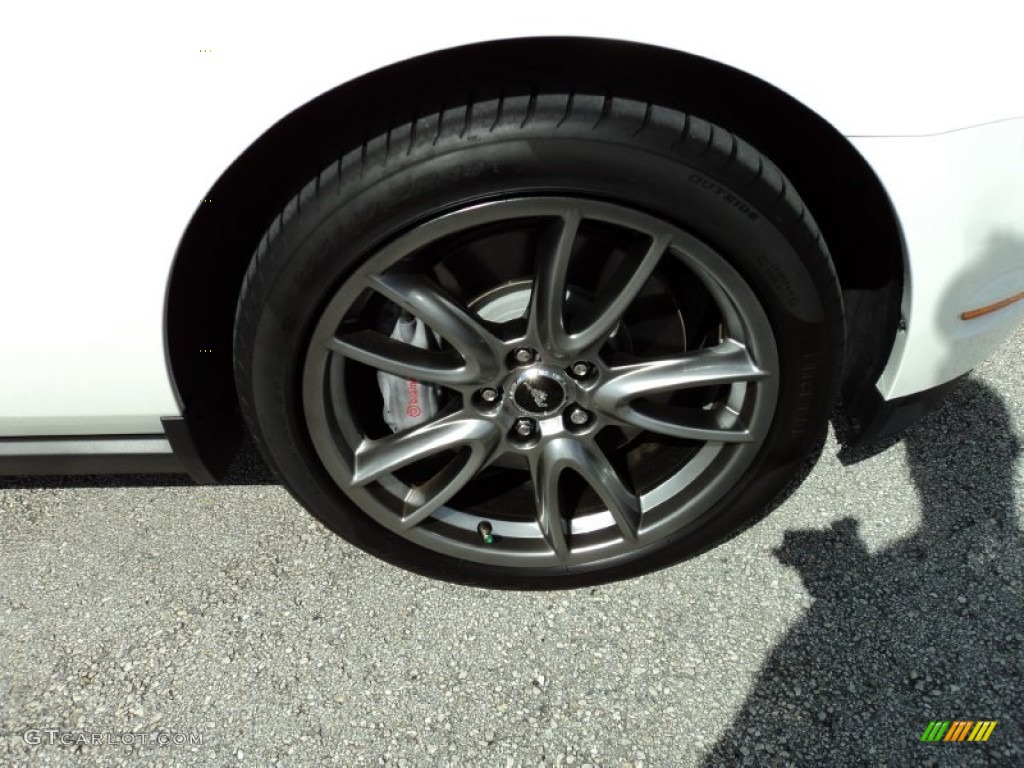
[540, 397]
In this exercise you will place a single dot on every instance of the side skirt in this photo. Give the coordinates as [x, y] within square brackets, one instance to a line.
[88, 455]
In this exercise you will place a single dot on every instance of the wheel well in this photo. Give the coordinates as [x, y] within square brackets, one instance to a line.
[840, 189]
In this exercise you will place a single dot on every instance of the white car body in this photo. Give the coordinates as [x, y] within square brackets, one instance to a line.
[120, 119]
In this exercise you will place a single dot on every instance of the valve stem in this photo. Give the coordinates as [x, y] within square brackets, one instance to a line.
[485, 531]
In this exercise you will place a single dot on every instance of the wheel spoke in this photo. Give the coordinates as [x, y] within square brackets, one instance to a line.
[546, 323]
[720, 425]
[726, 363]
[443, 367]
[425, 299]
[595, 469]
[424, 500]
[376, 458]
[607, 314]
[599, 473]
[545, 470]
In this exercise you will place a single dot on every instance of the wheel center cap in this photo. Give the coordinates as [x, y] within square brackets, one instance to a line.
[539, 391]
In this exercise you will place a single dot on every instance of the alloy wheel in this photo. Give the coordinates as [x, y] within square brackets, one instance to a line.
[603, 378]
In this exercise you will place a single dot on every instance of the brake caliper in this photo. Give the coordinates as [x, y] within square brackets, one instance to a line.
[408, 402]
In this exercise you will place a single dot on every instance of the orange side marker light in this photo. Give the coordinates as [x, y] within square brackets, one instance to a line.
[981, 311]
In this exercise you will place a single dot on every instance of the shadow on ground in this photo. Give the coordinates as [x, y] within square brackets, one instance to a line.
[929, 628]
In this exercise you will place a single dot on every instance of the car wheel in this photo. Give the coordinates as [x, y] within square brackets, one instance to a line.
[536, 341]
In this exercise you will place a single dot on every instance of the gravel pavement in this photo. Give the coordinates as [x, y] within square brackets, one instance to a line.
[885, 593]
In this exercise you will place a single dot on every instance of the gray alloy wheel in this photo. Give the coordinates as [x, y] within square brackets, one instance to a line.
[604, 378]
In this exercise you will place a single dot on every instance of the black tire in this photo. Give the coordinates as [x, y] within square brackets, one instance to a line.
[621, 154]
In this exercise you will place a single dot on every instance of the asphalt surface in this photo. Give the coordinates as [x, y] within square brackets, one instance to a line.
[886, 593]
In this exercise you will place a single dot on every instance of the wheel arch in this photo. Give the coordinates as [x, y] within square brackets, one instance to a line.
[835, 182]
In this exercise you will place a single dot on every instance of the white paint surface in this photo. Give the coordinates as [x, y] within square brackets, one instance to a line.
[116, 124]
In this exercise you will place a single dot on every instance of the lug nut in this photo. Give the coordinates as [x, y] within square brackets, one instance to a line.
[489, 395]
[523, 355]
[580, 369]
[524, 427]
[579, 417]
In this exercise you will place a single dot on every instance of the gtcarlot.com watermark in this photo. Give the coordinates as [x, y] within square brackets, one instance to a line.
[56, 736]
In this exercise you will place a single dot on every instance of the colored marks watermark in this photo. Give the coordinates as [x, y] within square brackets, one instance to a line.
[958, 730]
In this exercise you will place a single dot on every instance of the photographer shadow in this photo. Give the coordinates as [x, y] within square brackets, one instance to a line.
[928, 628]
